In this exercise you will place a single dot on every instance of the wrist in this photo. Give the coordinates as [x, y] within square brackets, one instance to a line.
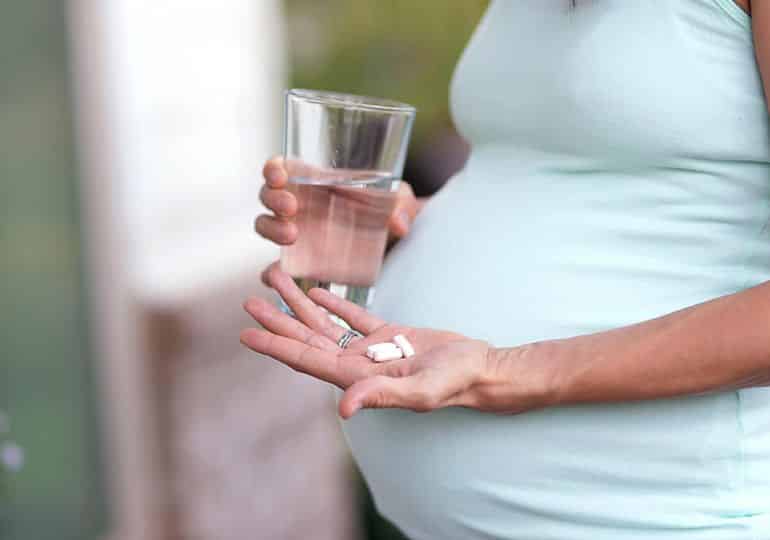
[526, 377]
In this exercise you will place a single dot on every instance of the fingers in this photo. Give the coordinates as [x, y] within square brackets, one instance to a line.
[304, 358]
[277, 230]
[278, 322]
[279, 201]
[302, 306]
[381, 391]
[405, 211]
[276, 198]
[280, 230]
[355, 316]
[275, 173]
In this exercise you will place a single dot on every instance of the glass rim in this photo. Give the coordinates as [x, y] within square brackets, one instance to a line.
[351, 101]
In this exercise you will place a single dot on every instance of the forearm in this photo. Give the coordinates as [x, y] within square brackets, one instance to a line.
[718, 345]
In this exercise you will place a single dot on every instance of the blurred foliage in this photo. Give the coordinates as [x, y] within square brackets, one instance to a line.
[44, 357]
[401, 49]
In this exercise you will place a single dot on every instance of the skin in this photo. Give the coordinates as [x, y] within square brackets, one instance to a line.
[280, 227]
[714, 346]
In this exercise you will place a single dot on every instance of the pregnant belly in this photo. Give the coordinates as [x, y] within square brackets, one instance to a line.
[515, 265]
[518, 262]
[667, 469]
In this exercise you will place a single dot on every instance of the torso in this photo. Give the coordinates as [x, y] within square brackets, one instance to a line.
[620, 170]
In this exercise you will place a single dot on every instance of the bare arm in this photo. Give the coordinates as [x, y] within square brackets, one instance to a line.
[722, 344]
[718, 345]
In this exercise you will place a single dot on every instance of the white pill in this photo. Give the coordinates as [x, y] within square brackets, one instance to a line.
[404, 345]
[383, 355]
[387, 346]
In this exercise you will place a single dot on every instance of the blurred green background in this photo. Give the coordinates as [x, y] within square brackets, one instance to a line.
[401, 50]
[44, 346]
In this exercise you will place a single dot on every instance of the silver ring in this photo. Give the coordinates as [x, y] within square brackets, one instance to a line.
[347, 337]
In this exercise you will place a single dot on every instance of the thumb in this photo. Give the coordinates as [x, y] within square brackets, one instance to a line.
[404, 212]
[382, 392]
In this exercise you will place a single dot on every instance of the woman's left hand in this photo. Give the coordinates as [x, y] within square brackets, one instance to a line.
[447, 370]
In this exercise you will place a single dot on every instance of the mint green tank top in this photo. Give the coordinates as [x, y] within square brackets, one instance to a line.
[620, 170]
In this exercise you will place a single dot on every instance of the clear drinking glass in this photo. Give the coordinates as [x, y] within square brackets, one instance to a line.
[344, 155]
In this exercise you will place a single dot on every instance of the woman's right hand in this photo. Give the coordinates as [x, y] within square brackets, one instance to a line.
[280, 227]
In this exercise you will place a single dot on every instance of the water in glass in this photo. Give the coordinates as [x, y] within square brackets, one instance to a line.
[343, 229]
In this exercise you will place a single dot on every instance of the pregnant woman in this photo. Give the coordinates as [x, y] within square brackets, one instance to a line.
[589, 299]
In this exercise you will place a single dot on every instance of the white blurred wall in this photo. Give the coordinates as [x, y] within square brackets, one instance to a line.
[179, 103]
[194, 95]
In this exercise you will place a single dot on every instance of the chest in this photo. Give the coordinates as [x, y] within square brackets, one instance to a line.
[636, 79]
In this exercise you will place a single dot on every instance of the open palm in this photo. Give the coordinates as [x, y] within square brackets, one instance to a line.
[443, 372]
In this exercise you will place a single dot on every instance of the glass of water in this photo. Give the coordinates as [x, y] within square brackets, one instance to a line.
[344, 155]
